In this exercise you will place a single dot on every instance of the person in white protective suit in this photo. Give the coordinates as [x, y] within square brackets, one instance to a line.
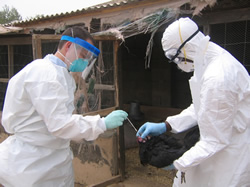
[220, 88]
[38, 111]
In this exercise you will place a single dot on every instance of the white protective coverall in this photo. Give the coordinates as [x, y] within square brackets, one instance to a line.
[38, 112]
[220, 89]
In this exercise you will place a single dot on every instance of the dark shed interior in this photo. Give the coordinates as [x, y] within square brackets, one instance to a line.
[161, 85]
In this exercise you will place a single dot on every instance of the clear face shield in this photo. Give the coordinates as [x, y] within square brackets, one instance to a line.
[179, 58]
[86, 55]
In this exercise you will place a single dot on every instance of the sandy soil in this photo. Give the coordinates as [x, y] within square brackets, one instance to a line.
[138, 175]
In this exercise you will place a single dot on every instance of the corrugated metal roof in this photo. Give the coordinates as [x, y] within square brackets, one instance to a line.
[198, 5]
[98, 7]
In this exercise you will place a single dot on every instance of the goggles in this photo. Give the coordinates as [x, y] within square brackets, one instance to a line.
[175, 55]
[176, 59]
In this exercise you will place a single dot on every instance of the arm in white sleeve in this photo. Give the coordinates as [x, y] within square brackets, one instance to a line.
[51, 100]
[215, 120]
[183, 121]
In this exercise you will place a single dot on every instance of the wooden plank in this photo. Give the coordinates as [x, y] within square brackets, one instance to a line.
[115, 155]
[16, 41]
[36, 47]
[98, 77]
[116, 46]
[46, 36]
[102, 112]
[110, 181]
[10, 61]
[58, 37]
[121, 150]
[104, 37]
[104, 87]
[206, 29]
[4, 80]
[117, 98]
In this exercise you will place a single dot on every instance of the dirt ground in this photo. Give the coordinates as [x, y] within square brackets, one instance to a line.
[137, 175]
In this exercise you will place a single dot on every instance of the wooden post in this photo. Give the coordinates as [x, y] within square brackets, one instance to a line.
[117, 78]
[37, 43]
[10, 61]
[36, 46]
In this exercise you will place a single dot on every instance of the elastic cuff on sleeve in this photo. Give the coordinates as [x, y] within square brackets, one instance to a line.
[102, 123]
[178, 166]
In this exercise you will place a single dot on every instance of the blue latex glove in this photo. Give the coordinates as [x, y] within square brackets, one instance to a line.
[151, 129]
[115, 119]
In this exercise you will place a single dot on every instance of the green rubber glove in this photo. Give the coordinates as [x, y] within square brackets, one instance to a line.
[115, 119]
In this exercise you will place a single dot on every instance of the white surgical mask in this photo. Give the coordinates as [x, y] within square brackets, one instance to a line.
[186, 66]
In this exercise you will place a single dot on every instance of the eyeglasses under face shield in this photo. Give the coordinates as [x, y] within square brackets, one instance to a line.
[175, 55]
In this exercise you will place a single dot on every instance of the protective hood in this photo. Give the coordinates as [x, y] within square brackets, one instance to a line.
[179, 31]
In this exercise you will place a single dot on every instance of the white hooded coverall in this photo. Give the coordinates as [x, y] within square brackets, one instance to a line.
[38, 112]
[220, 89]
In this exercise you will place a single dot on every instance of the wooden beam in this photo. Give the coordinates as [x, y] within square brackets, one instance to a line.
[104, 87]
[28, 40]
[10, 61]
[16, 41]
[46, 36]
[104, 38]
[4, 80]
[36, 46]
[115, 48]
[110, 181]
[206, 29]
[102, 112]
